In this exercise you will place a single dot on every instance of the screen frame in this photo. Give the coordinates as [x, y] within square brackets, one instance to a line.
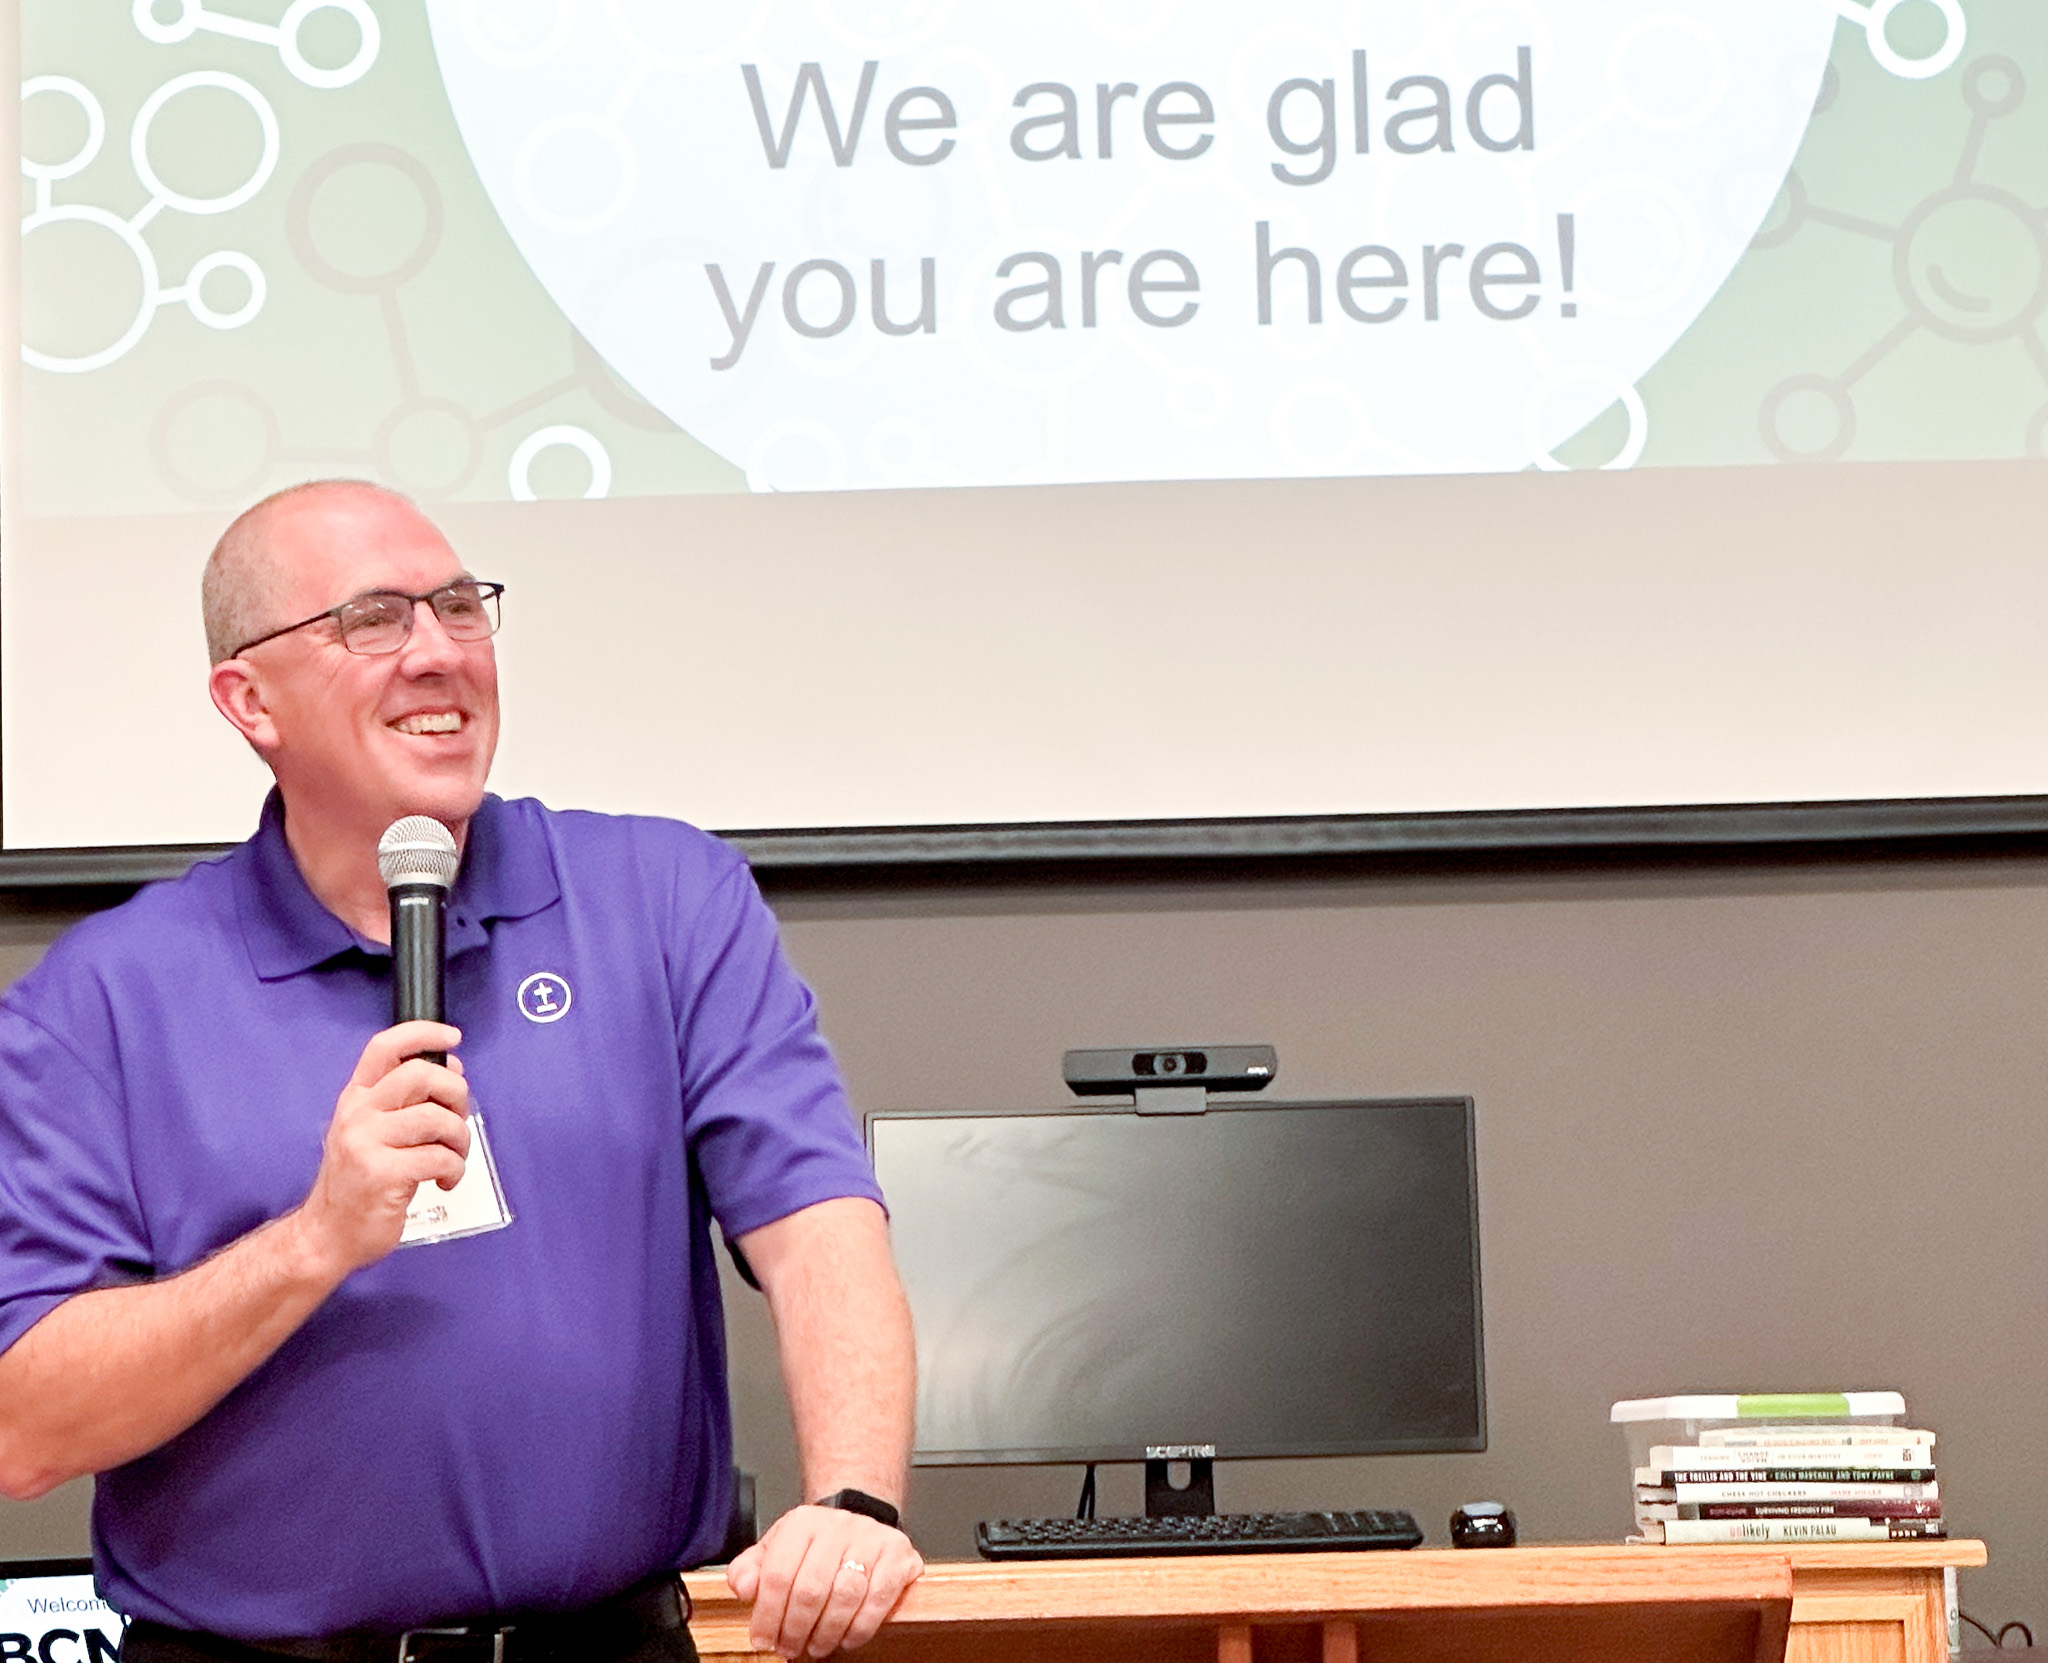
[13, 1569]
[1826, 830]
[1234, 1104]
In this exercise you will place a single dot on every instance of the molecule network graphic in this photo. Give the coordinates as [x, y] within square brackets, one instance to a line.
[45, 176]
[46, 211]
[420, 425]
[2000, 306]
[1875, 18]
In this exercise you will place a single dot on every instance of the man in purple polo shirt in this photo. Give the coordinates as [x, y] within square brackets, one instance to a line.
[309, 1444]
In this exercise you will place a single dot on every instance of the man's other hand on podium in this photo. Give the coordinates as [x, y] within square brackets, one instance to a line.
[822, 1580]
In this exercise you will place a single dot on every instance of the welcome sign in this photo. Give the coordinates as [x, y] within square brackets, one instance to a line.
[56, 1618]
[930, 244]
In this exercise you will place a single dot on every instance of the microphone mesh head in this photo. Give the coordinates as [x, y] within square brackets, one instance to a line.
[417, 849]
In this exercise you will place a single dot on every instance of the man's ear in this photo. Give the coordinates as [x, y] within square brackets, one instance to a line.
[238, 695]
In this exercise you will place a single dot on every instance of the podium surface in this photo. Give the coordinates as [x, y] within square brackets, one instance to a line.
[1859, 1603]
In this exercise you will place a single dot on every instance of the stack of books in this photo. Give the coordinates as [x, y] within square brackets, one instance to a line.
[1791, 1483]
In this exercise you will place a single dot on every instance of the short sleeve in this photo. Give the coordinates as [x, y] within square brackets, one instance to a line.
[69, 1220]
[767, 1117]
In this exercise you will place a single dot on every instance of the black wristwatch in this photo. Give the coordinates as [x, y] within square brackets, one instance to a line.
[859, 1501]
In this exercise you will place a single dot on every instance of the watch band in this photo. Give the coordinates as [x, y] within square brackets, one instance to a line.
[859, 1501]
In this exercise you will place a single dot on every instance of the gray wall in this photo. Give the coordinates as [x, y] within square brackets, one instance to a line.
[1741, 1127]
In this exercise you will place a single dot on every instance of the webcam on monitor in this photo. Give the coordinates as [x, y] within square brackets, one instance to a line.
[1125, 1070]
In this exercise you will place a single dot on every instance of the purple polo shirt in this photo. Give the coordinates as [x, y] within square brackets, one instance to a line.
[533, 1418]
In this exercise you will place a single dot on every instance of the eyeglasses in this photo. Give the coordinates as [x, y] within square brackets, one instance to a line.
[380, 621]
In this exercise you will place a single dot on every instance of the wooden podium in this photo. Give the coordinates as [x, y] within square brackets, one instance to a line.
[1869, 1602]
[1866, 1603]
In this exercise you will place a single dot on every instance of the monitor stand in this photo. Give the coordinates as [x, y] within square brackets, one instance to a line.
[1196, 1498]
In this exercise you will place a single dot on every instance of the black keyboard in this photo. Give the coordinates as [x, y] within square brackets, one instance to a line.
[1386, 1527]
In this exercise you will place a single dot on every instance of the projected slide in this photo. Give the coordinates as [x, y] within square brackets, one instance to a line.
[517, 248]
[1061, 414]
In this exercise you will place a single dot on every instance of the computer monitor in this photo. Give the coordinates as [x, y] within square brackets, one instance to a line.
[1264, 1279]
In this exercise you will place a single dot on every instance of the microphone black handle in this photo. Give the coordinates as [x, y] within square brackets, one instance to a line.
[419, 948]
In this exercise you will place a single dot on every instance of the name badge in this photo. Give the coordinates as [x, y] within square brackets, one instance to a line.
[473, 1206]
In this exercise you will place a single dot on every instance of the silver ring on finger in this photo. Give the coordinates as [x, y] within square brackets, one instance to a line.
[853, 1565]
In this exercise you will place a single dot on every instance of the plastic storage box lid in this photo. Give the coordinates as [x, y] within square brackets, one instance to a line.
[1760, 1406]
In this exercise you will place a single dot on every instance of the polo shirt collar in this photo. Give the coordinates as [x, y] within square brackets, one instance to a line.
[508, 871]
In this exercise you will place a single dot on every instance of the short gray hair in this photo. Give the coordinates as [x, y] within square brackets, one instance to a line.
[238, 592]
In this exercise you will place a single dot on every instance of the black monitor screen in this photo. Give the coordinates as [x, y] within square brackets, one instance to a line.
[1270, 1279]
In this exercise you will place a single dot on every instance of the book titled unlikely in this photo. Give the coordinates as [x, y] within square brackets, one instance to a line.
[1771, 1479]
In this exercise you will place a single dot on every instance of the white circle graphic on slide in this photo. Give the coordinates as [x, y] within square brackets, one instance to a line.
[95, 127]
[544, 997]
[152, 107]
[1099, 240]
[519, 475]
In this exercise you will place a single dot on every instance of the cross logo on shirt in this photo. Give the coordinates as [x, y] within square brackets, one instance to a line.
[544, 997]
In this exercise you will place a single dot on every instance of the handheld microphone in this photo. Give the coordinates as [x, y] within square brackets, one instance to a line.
[416, 858]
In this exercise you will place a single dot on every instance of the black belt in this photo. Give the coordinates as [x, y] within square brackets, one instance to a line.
[611, 1629]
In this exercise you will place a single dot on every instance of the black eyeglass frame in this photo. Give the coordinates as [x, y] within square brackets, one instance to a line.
[487, 593]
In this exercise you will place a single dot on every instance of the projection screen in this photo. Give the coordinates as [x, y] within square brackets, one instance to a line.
[912, 415]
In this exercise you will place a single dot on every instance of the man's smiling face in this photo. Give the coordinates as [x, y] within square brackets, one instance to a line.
[354, 739]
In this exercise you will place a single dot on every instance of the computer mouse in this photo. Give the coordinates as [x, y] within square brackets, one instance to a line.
[1483, 1524]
